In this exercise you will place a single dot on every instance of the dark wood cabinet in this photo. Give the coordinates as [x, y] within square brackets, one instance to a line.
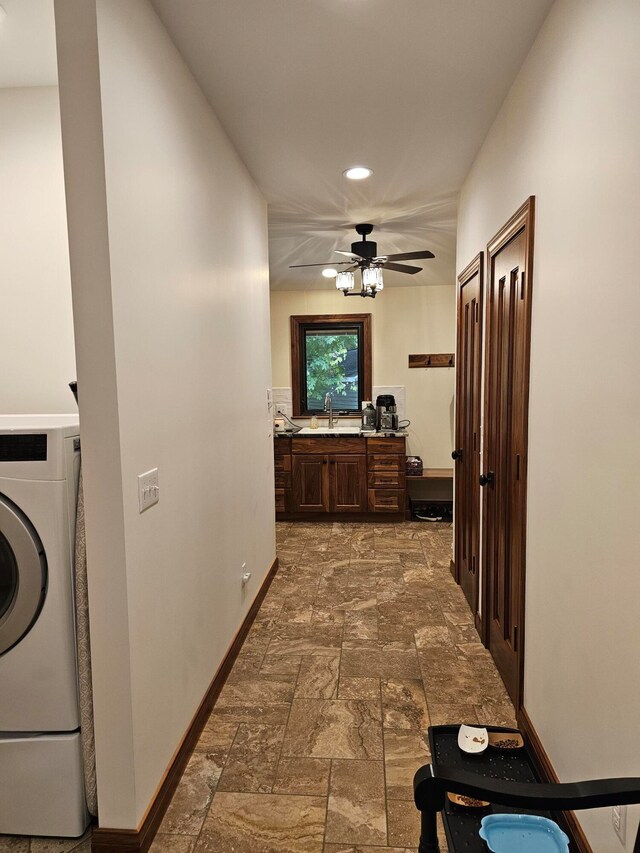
[310, 478]
[386, 500]
[329, 483]
[282, 469]
[386, 478]
[339, 475]
[348, 483]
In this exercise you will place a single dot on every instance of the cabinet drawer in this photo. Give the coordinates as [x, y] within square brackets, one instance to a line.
[281, 446]
[282, 463]
[386, 462]
[283, 480]
[386, 479]
[386, 445]
[282, 500]
[328, 445]
[386, 500]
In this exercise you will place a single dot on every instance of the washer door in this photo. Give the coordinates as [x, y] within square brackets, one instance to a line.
[23, 575]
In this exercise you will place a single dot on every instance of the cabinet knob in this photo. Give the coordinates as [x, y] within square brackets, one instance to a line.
[487, 479]
[457, 454]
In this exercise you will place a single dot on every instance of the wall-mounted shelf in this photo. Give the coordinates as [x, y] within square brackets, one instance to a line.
[438, 359]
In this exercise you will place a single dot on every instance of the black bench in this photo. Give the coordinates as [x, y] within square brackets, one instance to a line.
[508, 780]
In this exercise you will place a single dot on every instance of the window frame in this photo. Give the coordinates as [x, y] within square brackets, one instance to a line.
[299, 325]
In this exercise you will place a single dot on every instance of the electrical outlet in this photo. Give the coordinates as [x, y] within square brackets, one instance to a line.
[282, 409]
[148, 489]
[246, 576]
[619, 820]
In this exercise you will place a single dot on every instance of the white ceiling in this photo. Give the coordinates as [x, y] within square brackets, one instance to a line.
[27, 44]
[307, 88]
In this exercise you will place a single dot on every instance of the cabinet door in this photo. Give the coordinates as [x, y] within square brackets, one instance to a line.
[348, 478]
[310, 480]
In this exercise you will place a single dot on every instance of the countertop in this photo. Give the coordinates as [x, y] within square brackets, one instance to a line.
[341, 432]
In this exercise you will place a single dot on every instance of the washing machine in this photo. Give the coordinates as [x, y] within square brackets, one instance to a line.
[41, 772]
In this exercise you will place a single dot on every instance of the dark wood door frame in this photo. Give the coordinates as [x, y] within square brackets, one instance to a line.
[467, 505]
[522, 220]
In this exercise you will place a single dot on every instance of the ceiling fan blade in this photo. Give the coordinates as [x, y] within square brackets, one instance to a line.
[328, 264]
[401, 268]
[410, 256]
[347, 254]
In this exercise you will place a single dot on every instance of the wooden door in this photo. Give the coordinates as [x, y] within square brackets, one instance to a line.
[310, 482]
[510, 256]
[348, 483]
[467, 450]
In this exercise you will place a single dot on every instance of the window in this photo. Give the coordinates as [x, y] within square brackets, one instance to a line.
[330, 354]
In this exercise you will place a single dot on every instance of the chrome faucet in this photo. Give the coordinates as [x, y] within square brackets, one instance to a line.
[329, 402]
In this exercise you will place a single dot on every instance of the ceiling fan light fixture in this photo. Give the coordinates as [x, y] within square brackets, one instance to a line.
[329, 272]
[345, 280]
[372, 279]
[358, 173]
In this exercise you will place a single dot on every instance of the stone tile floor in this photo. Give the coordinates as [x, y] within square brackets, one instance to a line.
[362, 641]
[21, 844]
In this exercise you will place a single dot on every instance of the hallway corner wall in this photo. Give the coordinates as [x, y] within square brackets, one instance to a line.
[170, 286]
[569, 133]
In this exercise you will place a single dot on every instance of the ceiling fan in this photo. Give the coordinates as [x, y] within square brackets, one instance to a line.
[364, 256]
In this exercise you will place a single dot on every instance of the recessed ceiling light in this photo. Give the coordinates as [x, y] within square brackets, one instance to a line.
[329, 273]
[358, 173]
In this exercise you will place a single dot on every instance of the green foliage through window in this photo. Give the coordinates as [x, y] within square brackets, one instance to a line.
[332, 367]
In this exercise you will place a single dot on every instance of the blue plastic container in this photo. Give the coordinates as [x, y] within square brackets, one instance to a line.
[522, 833]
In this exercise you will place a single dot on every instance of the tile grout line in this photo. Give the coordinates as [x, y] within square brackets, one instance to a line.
[293, 695]
[384, 767]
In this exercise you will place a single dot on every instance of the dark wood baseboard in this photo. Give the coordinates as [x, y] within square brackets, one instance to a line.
[577, 838]
[377, 517]
[106, 840]
[452, 567]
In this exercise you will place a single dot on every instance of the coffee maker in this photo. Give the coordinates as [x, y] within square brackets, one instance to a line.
[386, 413]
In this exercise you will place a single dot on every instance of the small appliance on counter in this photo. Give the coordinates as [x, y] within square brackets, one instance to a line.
[368, 416]
[386, 413]
[283, 425]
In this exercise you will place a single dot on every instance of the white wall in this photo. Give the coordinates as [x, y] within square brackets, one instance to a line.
[569, 133]
[36, 323]
[404, 320]
[170, 281]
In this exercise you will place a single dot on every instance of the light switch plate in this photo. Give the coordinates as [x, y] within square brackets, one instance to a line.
[148, 489]
[619, 819]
